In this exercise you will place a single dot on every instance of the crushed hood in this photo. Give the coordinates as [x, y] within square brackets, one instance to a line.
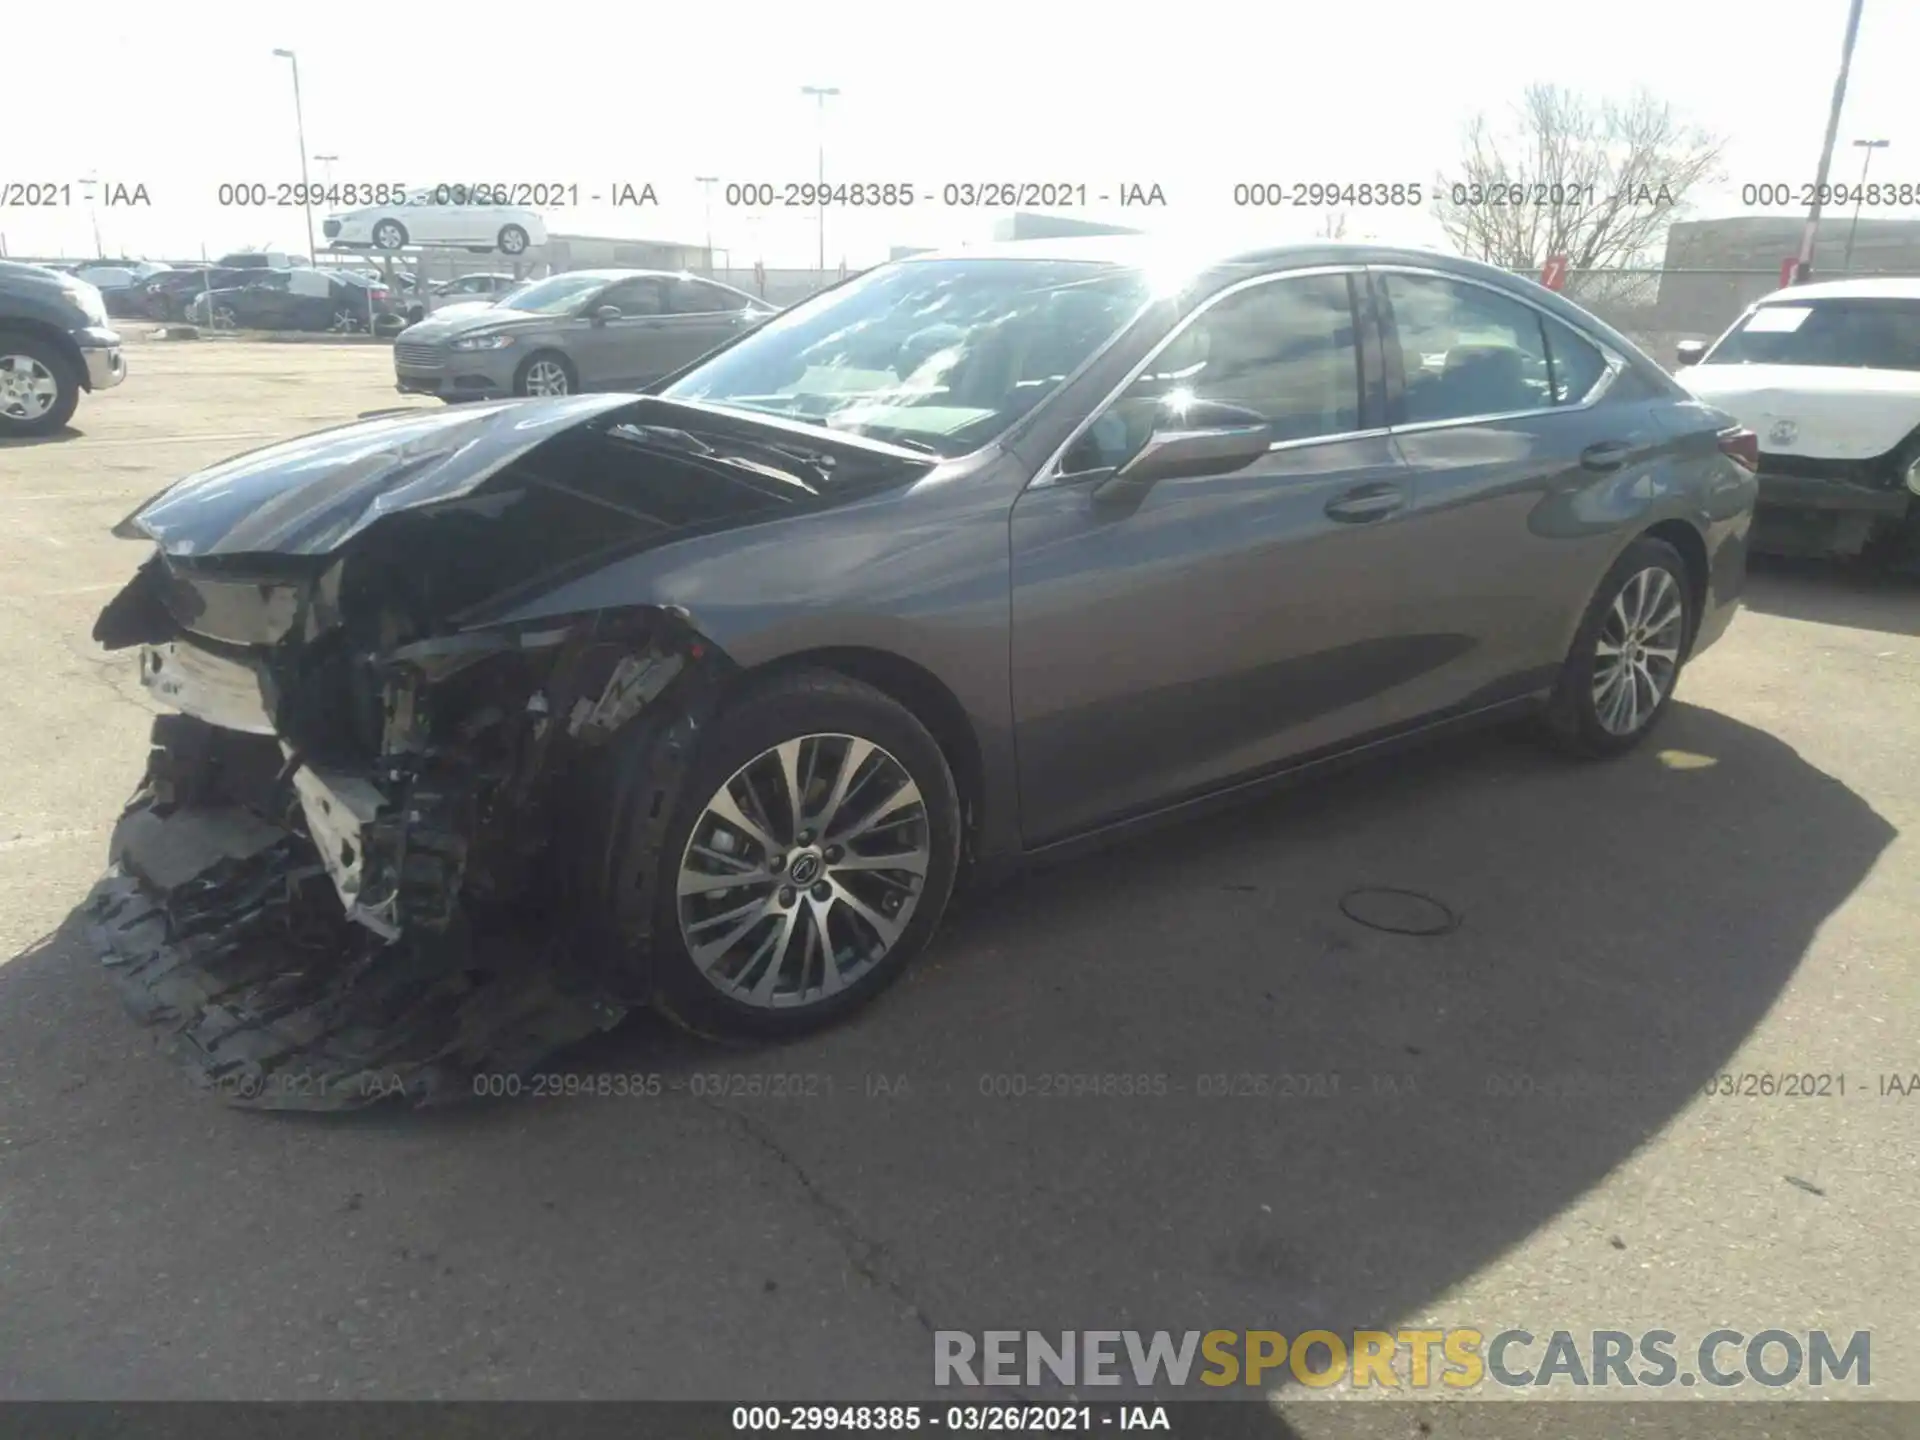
[1824, 411]
[311, 495]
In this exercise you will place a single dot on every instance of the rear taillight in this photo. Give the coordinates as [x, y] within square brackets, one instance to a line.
[1741, 446]
[379, 294]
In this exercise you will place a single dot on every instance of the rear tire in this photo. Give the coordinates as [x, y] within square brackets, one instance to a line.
[513, 240]
[1620, 675]
[389, 235]
[827, 899]
[38, 387]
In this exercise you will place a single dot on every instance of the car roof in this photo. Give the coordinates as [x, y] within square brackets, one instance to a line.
[1867, 287]
[1200, 254]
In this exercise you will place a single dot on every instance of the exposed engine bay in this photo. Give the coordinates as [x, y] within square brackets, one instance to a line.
[362, 858]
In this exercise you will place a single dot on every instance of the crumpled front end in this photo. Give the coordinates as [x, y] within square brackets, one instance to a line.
[345, 876]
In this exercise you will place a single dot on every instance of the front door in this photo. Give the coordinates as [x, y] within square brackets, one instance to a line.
[1224, 622]
[605, 352]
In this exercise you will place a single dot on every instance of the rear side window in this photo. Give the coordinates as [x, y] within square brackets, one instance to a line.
[1868, 334]
[1574, 363]
[1466, 351]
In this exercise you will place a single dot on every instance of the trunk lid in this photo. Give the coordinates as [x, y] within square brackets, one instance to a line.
[1819, 411]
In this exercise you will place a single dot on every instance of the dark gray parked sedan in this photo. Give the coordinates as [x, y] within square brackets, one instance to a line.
[711, 695]
[582, 330]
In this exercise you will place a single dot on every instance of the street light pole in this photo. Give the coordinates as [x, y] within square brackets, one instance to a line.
[706, 183]
[300, 131]
[1804, 267]
[1860, 198]
[820, 93]
[93, 214]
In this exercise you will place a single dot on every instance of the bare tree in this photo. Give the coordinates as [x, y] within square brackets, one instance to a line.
[1333, 226]
[1597, 182]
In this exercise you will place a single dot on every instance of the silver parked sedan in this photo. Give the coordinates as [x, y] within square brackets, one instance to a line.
[583, 330]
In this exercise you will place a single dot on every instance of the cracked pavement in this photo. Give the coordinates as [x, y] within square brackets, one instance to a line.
[795, 1222]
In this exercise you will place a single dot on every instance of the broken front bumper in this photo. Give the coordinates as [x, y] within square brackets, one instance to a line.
[220, 930]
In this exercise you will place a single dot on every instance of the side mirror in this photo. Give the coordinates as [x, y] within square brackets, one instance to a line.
[1180, 454]
[1691, 351]
[605, 313]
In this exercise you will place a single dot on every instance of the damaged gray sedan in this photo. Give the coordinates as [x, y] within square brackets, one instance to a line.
[490, 724]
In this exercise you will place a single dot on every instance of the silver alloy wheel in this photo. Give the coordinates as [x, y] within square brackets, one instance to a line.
[1638, 652]
[28, 389]
[389, 236]
[803, 871]
[346, 322]
[546, 377]
[512, 240]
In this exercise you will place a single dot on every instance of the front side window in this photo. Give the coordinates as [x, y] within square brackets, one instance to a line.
[1281, 353]
[939, 354]
[1865, 333]
[633, 297]
[1466, 351]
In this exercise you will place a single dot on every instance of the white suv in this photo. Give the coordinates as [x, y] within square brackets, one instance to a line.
[1828, 376]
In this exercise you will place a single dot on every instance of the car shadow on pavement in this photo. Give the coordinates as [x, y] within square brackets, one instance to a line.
[22, 442]
[1828, 593]
[1169, 1086]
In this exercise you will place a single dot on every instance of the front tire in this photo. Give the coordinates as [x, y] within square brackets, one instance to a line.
[1620, 675]
[38, 387]
[546, 372]
[809, 859]
[513, 240]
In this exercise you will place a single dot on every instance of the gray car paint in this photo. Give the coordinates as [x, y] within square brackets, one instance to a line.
[1113, 665]
[606, 354]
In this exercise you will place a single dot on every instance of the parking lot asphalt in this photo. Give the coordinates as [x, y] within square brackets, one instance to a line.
[1740, 897]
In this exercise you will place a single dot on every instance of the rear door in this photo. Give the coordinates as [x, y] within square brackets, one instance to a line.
[1531, 448]
[699, 316]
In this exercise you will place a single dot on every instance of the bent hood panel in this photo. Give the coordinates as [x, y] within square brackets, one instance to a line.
[1822, 411]
[311, 495]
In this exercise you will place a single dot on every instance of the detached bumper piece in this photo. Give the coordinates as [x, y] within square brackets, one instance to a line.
[225, 933]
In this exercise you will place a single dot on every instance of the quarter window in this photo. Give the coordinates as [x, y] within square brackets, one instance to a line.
[1465, 351]
[1282, 353]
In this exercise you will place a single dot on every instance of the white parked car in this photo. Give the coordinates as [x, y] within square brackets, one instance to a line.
[509, 229]
[1828, 376]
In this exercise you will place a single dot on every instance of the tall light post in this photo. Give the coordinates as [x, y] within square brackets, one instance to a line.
[1866, 163]
[327, 160]
[820, 93]
[1804, 267]
[93, 214]
[706, 183]
[300, 130]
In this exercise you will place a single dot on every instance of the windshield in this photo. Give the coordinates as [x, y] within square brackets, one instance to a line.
[1864, 333]
[556, 295]
[939, 354]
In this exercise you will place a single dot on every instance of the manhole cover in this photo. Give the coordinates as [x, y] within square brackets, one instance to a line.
[1398, 912]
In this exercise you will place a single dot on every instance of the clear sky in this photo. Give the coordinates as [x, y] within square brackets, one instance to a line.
[1193, 97]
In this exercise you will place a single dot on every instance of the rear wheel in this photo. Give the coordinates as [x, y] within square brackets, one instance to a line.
[389, 235]
[38, 387]
[809, 860]
[513, 240]
[1619, 677]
